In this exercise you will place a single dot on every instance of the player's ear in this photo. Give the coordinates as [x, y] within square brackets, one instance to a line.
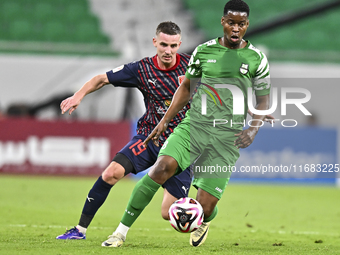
[247, 25]
[154, 41]
[222, 21]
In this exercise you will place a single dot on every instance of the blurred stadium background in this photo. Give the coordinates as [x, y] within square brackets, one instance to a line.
[50, 48]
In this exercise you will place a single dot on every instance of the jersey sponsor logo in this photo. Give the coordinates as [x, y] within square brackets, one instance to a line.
[161, 110]
[153, 81]
[117, 69]
[218, 189]
[211, 61]
[181, 78]
[244, 69]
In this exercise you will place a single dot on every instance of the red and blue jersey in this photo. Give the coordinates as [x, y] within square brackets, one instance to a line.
[157, 86]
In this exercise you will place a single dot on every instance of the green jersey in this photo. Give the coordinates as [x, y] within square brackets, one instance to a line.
[225, 74]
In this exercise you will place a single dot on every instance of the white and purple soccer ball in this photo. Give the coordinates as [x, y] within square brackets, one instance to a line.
[186, 215]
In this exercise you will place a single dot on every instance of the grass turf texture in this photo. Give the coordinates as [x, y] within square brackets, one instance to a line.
[252, 219]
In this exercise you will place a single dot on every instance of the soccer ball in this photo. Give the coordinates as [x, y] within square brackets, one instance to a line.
[186, 215]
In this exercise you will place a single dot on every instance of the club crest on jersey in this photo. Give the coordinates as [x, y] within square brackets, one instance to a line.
[180, 79]
[244, 69]
[167, 102]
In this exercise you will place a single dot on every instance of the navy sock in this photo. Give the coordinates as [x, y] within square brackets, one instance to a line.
[94, 201]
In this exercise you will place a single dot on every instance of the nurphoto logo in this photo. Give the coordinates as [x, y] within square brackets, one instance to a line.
[238, 103]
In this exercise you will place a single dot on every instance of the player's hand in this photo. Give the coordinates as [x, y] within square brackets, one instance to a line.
[245, 138]
[269, 118]
[156, 133]
[70, 104]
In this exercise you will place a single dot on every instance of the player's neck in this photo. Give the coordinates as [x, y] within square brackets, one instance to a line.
[160, 65]
[225, 43]
[163, 66]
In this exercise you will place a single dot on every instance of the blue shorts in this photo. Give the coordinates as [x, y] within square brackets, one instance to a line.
[142, 158]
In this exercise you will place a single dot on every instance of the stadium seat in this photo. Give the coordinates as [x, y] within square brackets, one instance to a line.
[21, 30]
[54, 31]
[87, 31]
[76, 10]
[9, 10]
[50, 21]
[308, 34]
[43, 11]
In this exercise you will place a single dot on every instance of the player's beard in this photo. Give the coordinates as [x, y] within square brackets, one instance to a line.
[167, 58]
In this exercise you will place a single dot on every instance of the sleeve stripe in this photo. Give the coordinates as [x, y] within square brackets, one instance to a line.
[263, 65]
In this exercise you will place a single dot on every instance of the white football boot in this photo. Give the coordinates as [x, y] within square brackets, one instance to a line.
[198, 237]
[115, 240]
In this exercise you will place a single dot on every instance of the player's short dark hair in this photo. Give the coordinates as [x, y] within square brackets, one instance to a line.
[236, 5]
[169, 28]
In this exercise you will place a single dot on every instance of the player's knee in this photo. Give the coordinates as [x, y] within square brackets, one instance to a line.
[161, 167]
[164, 168]
[113, 173]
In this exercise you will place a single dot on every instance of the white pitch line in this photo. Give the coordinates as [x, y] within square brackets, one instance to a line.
[49, 226]
[59, 226]
[282, 232]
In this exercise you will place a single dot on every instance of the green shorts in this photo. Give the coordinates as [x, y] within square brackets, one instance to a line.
[212, 155]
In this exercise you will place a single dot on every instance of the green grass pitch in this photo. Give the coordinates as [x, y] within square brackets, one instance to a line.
[252, 219]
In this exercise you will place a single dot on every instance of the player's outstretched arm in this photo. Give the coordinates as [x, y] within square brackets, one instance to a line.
[246, 137]
[179, 100]
[71, 103]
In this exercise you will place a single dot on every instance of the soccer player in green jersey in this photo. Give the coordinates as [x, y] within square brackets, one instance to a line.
[212, 131]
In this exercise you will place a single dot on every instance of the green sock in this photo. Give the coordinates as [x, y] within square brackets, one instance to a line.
[212, 216]
[141, 195]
